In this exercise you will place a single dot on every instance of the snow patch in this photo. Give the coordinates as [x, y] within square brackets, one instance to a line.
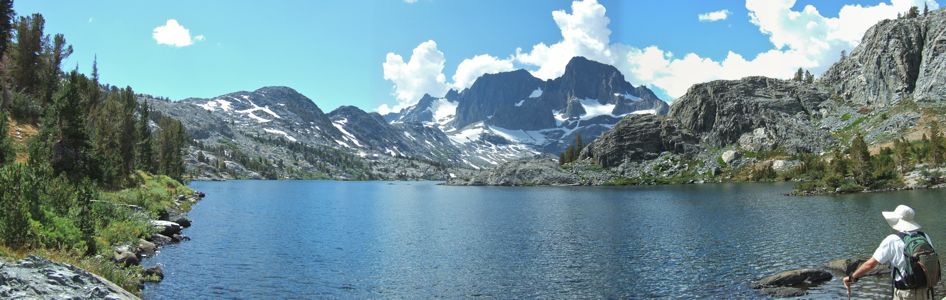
[645, 112]
[443, 110]
[280, 132]
[212, 105]
[340, 125]
[257, 118]
[518, 104]
[258, 108]
[536, 93]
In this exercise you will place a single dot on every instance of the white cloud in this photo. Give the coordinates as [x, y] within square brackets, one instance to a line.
[799, 37]
[714, 16]
[423, 73]
[584, 33]
[174, 34]
[472, 68]
[410, 1]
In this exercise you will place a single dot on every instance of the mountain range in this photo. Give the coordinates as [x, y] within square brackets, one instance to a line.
[276, 132]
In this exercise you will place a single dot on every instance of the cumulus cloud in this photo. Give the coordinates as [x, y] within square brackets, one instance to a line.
[714, 16]
[800, 37]
[174, 34]
[472, 68]
[422, 73]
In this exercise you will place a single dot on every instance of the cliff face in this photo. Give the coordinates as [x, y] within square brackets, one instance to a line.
[896, 59]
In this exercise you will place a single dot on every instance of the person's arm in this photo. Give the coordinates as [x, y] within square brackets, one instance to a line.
[870, 264]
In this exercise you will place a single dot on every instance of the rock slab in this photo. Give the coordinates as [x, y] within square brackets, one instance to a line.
[38, 278]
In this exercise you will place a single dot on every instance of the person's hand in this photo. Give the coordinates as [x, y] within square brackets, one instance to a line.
[847, 284]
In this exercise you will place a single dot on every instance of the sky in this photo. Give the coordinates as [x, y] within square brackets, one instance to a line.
[383, 55]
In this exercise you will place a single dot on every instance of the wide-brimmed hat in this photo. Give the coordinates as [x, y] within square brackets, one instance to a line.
[901, 218]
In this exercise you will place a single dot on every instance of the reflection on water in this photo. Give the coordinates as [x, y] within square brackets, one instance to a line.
[309, 239]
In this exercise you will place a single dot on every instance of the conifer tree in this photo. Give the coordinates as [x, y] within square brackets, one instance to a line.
[6, 25]
[85, 192]
[143, 150]
[913, 12]
[808, 77]
[7, 155]
[63, 134]
[799, 75]
[860, 160]
[27, 67]
[170, 143]
[936, 145]
[926, 9]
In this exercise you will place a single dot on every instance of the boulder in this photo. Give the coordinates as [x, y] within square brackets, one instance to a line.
[38, 278]
[153, 274]
[177, 238]
[729, 156]
[183, 221]
[793, 278]
[145, 248]
[126, 258]
[160, 239]
[849, 265]
[166, 227]
[783, 292]
[784, 165]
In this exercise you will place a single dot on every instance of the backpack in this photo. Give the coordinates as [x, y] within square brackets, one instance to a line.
[922, 268]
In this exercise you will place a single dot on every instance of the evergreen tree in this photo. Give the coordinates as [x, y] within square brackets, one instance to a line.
[109, 135]
[936, 145]
[913, 12]
[578, 145]
[143, 149]
[843, 54]
[170, 144]
[85, 192]
[799, 75]
[53, 56]
[808, 77]
[27, 66]
[7, 155]
[64, 135]
[860, 160]
[926, 9]
[6, 24]
[17, 196]
[903, 153]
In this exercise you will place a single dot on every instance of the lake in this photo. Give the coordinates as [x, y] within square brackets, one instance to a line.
[328, 239]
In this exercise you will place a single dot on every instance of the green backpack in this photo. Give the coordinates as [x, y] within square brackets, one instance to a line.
[922, 270]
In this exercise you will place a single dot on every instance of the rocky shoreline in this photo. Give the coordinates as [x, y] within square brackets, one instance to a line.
[39, 278]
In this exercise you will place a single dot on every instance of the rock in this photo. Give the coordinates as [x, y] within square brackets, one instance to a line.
[38, 278]
[153, 273]
[895, 60]
[145, 248]
[160, 239]
[166, 227]
[638, 138]
[126, 258]
[758, 112]
[848, 265]
[729, 155]
[783, 292]
[784, 165]
[528, 172]
[183, 221]
[177, 238]
[793, 277]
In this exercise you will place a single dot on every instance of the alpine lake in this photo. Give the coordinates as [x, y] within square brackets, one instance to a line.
[331, 239]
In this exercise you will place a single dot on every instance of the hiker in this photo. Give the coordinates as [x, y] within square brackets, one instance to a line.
[910, 252]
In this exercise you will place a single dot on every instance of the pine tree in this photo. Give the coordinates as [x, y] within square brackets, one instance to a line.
[809, 78]
[6, 25]
[860, 160]
[578, 145]
[936, 145]
[903, 152]
[53, 55]
[170, 144]
[926, 9]
[7, 155]
[63, 134]
[143, 150]
[27, 66]
[843, 54]
[799, 75]
[913, 12]
[17, 196]
[85, 192]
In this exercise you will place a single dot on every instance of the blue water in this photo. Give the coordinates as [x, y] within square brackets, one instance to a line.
[326, 239]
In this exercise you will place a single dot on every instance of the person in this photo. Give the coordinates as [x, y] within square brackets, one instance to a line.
[891, 251]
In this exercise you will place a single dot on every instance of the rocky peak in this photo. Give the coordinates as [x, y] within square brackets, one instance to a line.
[896, 59]
[493, 91]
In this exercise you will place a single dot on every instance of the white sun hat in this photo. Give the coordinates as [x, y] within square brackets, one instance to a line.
[901, 219]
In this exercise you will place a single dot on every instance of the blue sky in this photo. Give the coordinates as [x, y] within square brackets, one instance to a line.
[334, 51]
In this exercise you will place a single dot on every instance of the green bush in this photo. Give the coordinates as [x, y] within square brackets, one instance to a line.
[846, 117]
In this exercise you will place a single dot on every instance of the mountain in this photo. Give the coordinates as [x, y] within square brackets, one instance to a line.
[275, 132]
[513, 115]
[889, 88]
[896, 60]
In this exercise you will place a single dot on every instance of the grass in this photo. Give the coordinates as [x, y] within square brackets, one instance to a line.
[117, 224]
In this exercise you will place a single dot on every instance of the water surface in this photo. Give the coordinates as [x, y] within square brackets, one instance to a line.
[327, 239]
